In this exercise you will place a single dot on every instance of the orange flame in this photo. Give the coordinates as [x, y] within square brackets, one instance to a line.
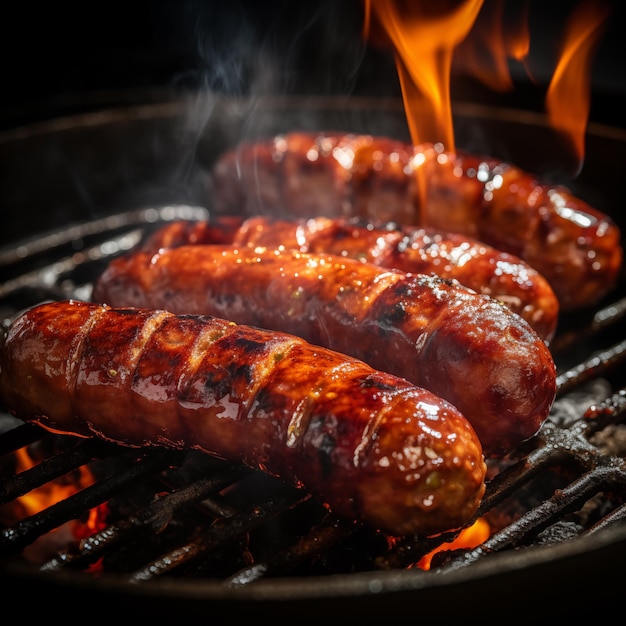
[567, 99]
[469, 537]
[424, 41]
[47, 495]
[41, 498]
[484, 53]
[427, 37]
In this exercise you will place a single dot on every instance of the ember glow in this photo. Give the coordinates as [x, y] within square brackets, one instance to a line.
[567, 99]
[46, 496]
[52, 492]
[469, 537]
[429, 39]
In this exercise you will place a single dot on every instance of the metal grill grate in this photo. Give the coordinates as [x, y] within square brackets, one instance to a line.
[184, 515]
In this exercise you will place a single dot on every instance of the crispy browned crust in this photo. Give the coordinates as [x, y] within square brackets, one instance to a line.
[463, 346]
[574, 246]
[410, 248]
[368, 444]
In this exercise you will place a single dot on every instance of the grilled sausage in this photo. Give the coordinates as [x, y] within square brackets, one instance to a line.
[465, 347]
[574, 246]
[368, 444]
[410, 249]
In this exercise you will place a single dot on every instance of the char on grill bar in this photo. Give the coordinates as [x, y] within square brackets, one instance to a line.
[158, 512]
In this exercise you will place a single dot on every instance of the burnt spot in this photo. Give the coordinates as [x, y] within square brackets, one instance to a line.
[252, 348]
[241, 371]
[401, 289]
[200, 318]
[393, 315]
[265, 402]
[125, 311]
[157, 359]
[341, 233]
[245, 347]
[232, 359]
[372, 382]
[218, 386]
[390, 307]
[323, 442]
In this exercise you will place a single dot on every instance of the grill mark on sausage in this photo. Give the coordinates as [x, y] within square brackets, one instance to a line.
[370, 445]
[429, 330]
[576, 247]
[387, 245]
[201, 344]
[77, 345]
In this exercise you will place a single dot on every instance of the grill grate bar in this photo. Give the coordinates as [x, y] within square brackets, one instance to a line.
[33, 277]
[98, 228]
[318, 541]
[552, 510]
[13, 540]
[510, 479]
[223, 531]
[49, 278]
[200, 496]
[555, 447]
[597, 365]
[51, 468]
[615, 517]
[602, 319]
[151, 519]
[18, 437]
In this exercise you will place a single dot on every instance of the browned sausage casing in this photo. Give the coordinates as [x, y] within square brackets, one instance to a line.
[368, 444]
[410, 249]
[465, 347]
[574, 246]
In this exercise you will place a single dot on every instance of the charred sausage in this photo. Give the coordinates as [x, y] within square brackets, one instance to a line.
[465, 347]
[368, 444]
[410, 249]
[573, 245]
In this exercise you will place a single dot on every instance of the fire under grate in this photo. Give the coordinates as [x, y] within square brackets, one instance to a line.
[180, 514]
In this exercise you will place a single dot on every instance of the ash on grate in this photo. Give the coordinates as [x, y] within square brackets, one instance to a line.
[571, 407]
[611, 440]
[559, 532]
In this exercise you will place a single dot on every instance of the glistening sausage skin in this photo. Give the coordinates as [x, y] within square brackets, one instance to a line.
[576, 247]
[368, 444]
[465, 347]
[410, 248]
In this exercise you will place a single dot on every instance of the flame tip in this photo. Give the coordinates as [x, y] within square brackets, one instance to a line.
[427, 41]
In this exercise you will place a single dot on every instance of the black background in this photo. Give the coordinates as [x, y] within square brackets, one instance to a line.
[58, 58]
